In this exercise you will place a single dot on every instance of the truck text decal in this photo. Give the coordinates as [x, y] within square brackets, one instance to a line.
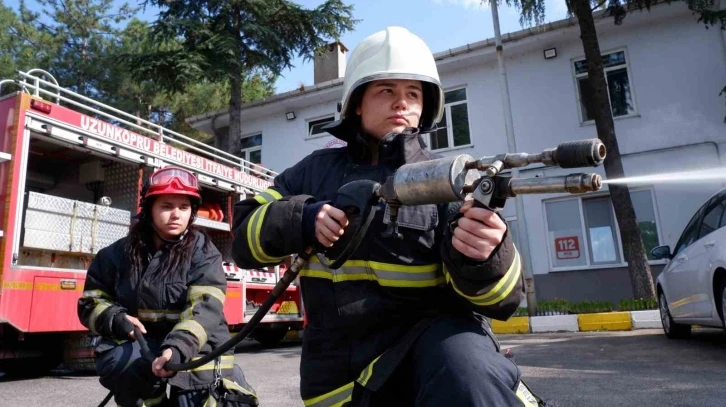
[168, 152]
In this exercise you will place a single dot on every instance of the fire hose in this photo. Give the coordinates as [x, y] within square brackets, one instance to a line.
[443, 180]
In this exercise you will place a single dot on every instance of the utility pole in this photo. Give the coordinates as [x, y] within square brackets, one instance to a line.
[512, 147]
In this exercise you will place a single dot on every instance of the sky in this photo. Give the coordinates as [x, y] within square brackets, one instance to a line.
[442, 24]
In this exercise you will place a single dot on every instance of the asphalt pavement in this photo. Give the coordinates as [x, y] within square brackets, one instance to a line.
[635, 368]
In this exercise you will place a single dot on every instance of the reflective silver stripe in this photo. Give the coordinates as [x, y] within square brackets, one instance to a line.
[101, 305]
[391, 275]
[195, 328]
[200, 290]
[267, 196]
[501, 290]
[335, 398]
[367, 373]
[227, 362]
[96, 294]
[158, 315]
[254, 229]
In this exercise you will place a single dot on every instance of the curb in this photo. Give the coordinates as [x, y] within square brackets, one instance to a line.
[514, 325]
[605, 321]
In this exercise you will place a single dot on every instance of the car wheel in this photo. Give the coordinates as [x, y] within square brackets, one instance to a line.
[723, 304]
[672, 330]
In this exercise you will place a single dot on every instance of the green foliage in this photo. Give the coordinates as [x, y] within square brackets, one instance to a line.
[219, 41]
[588, 307]
[637, 304]
[565, 307]
[236, 42]
[79, 42]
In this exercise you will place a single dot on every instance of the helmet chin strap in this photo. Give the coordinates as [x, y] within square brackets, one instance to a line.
[179, 239]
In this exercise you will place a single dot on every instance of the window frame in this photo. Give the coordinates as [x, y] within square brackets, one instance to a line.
[449, 128]
[576, 79]
[309, 136]
[244, 152]
[586, 249]
[719, 199]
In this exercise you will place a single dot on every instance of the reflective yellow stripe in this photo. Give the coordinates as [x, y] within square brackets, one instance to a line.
[156, 315]
[101, 301]
[501, 290]
[267, 196]
[386, 274]
[199, 290]
[335, 398]
[101, 305]
[227, 362]
[155, 401]
[195, 328]
[96, 294]
[230, 385]
[367, 373]
[525, 396]
[254, 228]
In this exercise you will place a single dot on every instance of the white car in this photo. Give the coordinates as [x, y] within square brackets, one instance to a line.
[691, 288]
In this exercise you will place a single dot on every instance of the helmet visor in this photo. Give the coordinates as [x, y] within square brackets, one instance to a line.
[166, 175]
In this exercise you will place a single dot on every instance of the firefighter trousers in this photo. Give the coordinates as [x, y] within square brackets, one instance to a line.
[124, 371]
[455, 362]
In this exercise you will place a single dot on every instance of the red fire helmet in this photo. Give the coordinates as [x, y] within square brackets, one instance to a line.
[173, 180]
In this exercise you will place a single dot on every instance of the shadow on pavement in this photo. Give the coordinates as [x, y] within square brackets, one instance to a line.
[623, 369]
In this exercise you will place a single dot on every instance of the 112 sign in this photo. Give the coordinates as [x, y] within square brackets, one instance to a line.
[567, 247]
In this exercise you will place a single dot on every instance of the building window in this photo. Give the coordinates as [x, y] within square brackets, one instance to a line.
[620, 91]
[454, 126]
[251, 148]
[583, 231]
[315, 127]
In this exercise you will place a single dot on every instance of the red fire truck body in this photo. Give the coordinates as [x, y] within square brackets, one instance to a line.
[71, 171]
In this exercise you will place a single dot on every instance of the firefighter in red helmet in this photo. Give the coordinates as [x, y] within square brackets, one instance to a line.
[165, 278]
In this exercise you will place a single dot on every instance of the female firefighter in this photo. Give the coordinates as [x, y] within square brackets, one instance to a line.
[166, 278]
[401, 322]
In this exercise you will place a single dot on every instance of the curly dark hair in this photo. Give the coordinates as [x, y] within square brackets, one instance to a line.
[140, 243]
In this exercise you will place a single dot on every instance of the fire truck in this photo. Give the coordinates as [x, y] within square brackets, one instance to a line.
[71, 171]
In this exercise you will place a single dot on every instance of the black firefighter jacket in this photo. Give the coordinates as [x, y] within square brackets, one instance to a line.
[375, 302]
[183, 309]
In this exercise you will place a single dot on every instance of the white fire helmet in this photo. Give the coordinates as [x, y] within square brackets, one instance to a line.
[394, 53]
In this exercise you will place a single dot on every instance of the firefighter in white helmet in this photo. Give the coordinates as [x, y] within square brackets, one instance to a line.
[402, 322]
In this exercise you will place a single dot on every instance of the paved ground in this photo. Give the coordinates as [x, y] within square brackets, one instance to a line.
[640, 368]
[637, 368]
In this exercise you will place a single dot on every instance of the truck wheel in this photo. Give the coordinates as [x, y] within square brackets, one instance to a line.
[270, 336]
[672, 330]
[32, 367]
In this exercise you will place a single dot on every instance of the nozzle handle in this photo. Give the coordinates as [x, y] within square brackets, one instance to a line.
[358, 199]
[580, 153]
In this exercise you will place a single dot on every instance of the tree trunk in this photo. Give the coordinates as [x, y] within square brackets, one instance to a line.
[228, 141]
[640, 276]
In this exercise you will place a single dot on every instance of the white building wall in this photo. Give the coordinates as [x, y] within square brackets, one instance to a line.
[676, 69]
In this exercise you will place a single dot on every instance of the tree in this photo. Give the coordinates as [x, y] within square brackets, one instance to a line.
[22, 46]
[81, 31]
[233, 41]
[533, 11]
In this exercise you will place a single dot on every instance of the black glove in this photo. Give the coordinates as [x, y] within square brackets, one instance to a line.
[121, 327]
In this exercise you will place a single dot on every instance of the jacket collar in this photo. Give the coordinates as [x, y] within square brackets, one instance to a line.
[394, 149]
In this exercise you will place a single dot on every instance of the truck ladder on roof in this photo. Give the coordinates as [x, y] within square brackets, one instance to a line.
[33, 80]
